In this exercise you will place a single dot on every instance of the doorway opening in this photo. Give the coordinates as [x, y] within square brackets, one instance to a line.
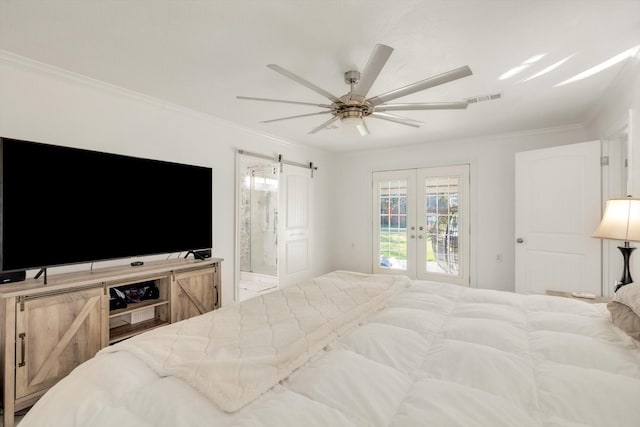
[258, 190]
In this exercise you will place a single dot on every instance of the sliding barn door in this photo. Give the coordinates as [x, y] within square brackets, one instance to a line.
[295, 224]
[557, 209]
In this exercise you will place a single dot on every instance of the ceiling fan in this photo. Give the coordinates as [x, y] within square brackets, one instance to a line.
[353, 107]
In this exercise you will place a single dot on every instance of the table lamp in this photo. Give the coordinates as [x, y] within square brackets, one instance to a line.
[621, 221]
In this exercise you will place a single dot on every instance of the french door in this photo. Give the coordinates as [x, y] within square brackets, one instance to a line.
[421, 223]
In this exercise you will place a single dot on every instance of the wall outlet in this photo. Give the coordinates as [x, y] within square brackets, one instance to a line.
[498, 257]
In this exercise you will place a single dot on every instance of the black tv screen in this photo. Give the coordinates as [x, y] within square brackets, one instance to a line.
[64, 205]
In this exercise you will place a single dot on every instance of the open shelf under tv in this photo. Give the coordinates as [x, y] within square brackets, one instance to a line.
[120, 333]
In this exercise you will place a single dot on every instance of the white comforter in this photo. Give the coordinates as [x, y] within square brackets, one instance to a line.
[436, 355]
[236, 354]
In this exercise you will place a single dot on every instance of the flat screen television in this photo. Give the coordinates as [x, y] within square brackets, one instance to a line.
[61, 205]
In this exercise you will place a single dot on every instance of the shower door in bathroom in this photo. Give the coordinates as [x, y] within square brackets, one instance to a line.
[258, 223]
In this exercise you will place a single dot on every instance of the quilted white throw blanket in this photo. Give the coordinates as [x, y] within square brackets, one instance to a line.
[235, 354]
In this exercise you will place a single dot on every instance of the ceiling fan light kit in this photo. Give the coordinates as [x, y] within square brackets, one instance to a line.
[352, 108]
[356, 123]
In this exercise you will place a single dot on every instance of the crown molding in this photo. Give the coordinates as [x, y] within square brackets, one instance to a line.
[13, 59]
[488, 137]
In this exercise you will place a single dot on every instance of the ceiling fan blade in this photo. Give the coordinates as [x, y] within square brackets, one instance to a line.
[324, 125]
[362, 128]
[397, 119]
[377, 60]
[304, 82]
[295, 117]
[251, 98]
[423, 106]
[449, 76]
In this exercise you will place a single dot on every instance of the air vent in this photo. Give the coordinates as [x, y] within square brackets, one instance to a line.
[482, 98]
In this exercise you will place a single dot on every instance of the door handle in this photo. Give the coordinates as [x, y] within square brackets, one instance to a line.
[22, 336]
[520, 240]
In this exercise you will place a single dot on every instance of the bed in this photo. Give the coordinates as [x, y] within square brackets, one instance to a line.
[349, 349]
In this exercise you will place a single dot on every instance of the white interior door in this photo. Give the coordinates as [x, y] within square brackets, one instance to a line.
[557, 209]
[294, 225]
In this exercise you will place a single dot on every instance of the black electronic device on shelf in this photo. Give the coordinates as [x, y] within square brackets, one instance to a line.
[121, 296]
[201, 254]
[13, 276]
[62, 205]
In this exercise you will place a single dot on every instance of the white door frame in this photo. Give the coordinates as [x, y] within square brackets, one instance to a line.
[240, 158]
[616, 182]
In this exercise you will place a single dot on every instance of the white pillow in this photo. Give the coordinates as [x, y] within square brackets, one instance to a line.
[629, 295]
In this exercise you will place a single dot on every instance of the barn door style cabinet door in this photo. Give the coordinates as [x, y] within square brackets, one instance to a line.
[48, 330]
[195, 293]
[54, 334]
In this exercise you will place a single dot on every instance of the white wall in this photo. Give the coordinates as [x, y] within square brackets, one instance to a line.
[44, 104]
[620, 106]
[492, 161]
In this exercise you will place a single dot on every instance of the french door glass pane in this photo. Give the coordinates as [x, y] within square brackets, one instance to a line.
[392, 221]
[442, 223]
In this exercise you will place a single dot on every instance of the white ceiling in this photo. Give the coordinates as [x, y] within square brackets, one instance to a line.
[201, 54]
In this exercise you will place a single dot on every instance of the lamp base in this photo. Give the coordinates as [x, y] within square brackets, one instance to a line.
[626, 274]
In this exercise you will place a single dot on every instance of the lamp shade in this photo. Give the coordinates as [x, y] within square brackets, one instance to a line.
[621, 220]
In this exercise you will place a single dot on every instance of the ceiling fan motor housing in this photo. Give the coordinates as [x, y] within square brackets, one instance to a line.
[353, 107]
[352, 77]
